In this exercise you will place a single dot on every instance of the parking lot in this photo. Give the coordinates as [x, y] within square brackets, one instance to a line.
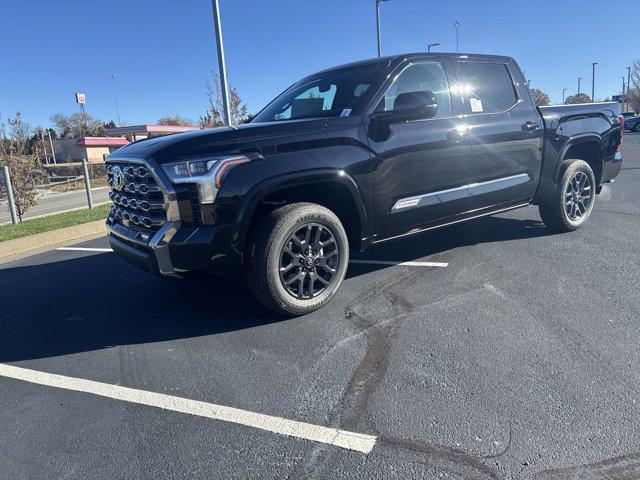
[503, 351]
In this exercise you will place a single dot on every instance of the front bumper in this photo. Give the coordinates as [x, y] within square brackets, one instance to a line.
[176, 249]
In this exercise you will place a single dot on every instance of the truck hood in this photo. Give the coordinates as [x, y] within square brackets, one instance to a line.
[213, 141]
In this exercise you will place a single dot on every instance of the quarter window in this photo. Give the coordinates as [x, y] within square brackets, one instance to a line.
[421, 77]
[488, 87]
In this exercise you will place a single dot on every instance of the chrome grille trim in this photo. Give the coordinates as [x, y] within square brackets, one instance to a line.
[138, 197]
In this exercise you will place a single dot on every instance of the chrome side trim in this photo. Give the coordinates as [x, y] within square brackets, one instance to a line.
[457, 193]
[453, 222]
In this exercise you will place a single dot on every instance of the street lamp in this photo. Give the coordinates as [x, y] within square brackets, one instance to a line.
[579, 78]
[378, 2]
[623, 89]
[564, 91]
[628, 88]
[115, 97]
[593, 81]
[457, 25]
[221, 65]
[431, 45]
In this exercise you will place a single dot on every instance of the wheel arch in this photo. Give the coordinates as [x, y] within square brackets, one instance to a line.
[585, 147]
[334, 189]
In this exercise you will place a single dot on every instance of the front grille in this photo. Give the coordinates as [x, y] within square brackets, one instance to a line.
[137, 197]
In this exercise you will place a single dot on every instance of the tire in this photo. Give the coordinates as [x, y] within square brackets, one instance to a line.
[637, 128]
[572, 202]
[278, 253]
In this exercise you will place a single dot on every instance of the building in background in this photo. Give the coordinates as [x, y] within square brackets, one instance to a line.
[139, 132]
[94, 149]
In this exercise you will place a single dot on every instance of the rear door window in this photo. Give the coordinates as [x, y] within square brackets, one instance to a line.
[488, 87]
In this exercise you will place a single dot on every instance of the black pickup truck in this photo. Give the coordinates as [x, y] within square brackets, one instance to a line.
[351, 156]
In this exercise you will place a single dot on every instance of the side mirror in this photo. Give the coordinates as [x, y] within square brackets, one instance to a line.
[407, 106]
[416, 105]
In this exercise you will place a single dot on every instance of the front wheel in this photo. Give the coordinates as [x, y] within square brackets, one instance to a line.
[572, 203]
[297, 258]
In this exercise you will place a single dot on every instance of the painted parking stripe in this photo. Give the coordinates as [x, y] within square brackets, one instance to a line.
[83, 249]
[341, 438]
[366, 262]
[408, 264]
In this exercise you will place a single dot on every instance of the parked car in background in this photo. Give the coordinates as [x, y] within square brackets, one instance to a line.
[352, 156]
[629, 114]
[632, 124]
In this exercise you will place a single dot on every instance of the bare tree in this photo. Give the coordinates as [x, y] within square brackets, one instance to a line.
[578, 98]
[23, 159]
[175, 120]
[214, 116]
[539, 97]
[77, 125]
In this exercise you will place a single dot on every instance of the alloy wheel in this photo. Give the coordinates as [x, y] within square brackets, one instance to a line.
[578, 196]
[309, 261]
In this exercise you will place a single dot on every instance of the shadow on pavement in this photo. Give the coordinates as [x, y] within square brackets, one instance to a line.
[97, 301]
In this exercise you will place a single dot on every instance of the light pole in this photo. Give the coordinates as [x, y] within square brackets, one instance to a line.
[221, 65]
[593, 81]
[378, 2]
[115, 97]
[628, 88]
[623, 88]
[579, 78]
[564, 91]
[457, 25]
[431, 45]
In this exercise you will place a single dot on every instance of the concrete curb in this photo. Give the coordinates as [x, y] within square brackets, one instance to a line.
[41, 242]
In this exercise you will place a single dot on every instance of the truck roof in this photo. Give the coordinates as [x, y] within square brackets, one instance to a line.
[388, 60]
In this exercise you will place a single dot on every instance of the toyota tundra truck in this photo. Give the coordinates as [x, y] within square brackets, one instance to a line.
[351, 156]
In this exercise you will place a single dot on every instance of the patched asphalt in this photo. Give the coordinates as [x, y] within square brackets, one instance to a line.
[519, 360]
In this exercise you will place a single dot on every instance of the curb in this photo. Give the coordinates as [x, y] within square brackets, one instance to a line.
[41, 242]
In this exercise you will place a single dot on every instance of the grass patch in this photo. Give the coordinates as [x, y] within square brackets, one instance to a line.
[53, 222]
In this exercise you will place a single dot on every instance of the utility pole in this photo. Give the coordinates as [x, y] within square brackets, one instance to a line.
[221, 65]
[564, 91]
[115, 97]
[431, 45]
[579, 78]
[53, 152]
[457, 25]
[628, 88]
[378, 2]
[593, 81]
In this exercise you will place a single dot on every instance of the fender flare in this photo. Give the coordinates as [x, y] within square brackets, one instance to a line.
[258, 192]
[578, 140]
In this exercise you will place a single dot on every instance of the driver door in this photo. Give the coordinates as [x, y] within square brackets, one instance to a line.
[420, 163]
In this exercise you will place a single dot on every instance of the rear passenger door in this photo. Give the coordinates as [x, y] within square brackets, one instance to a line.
[505, 133]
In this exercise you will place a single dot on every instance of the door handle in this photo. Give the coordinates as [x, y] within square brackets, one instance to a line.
[459, 133]
[530, 126]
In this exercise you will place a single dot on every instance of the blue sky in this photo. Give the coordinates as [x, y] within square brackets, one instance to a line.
[162, 50]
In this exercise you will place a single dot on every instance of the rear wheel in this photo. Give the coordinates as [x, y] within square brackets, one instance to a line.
[572, 202]
[637, 128]
[297, 258]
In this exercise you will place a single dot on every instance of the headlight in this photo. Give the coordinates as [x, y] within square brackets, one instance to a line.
[207, 173]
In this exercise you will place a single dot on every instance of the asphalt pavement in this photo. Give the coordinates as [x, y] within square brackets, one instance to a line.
[516, 358]
[55, 202]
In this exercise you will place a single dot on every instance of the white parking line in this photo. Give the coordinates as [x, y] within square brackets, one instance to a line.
[83, 249]
[408, 264]
[349, 440]
[367, 262]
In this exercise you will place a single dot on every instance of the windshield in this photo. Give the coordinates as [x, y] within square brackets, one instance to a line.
[336, 93]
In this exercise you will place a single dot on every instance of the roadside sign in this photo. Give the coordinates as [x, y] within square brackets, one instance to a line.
[81, 98]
